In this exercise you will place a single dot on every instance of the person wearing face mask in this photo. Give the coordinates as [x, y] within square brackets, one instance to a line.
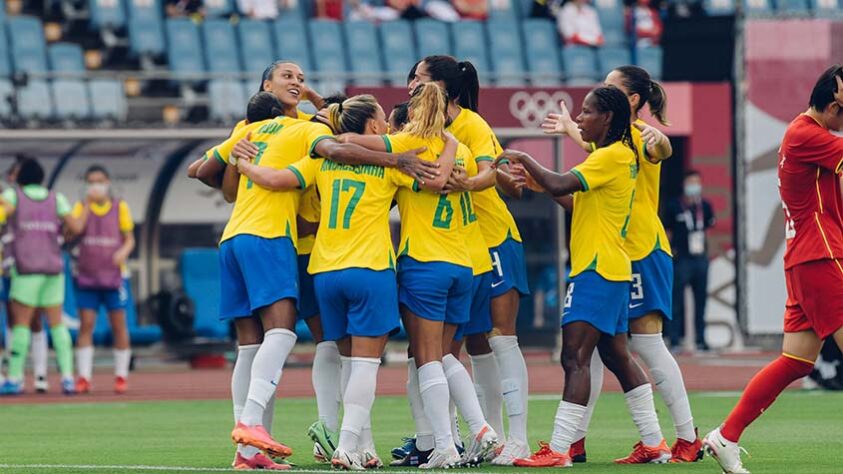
[100, 276]
[688, 218]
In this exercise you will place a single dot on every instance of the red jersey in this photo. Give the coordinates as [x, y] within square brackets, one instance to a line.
[810, 160]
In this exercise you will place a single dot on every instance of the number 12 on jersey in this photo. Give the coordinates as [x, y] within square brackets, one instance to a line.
[342, 186]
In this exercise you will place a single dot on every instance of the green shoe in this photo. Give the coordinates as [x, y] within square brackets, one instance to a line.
[326, 439]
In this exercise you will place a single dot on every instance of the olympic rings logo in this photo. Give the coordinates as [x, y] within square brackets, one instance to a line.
[531, 109]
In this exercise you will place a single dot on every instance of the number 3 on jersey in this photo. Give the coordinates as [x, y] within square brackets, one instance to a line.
[342, 186]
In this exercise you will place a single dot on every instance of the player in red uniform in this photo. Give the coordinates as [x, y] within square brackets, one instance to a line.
[810, 165]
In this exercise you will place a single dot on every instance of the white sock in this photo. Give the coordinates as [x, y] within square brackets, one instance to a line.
[84, 361]
[367, 441]
[325, 376]
[568, 418]
[269, 413]
[514, 383]
[122, 360]
[462, 393]
[434, 393]
[240, 377]
[455, 420]
[357, 401]
[266, 373]
[596, 388]
[668, 381]
[38, 348]
[487, 384]
[639, 401]
[345, 374]
[424, 432]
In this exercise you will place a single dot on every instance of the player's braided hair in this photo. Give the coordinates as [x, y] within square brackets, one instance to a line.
[611, 99]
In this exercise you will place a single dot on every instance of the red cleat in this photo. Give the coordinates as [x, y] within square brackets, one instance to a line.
[83, 385]
[121, 385]
[258, 461]
[544, 457]
[258, 437]
[577, 451]
[647, 454]
[687, 451]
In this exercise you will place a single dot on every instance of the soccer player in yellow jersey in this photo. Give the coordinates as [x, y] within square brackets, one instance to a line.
[596, 305]
[652, 266]
[504, 374]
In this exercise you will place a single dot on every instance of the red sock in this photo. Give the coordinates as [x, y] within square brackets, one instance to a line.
[761, 392]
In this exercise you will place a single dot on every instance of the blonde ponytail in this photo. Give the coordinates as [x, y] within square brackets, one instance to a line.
[428, 109]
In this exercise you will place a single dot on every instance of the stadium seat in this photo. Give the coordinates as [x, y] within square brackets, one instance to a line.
[226, 100]
[71, 100]
[542, 46]
[256, 46]
[328, 53]
[433, 37]
[612, 22]
[792, 6]
[145, 10]
[28, 48]
[507, 51]
[6, 91]
[758, 7]
[35, 101]
[827, 8]
[107, 14]
[580, 65]
[145, 37]
[610, 57]
[291, 41]
[399, 53]
[650, 58]
[110, 100]
[217, 8]
[5, 63]
[200, 274]
[221, 53]
[471, 45]
[142, 335]
[362, 40]
[184, 49]
[719, 7]
[66, 57]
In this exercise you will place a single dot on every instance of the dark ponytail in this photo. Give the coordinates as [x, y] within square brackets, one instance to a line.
[638, 81]
[612, 99]
[460, 78]
[469, 92]
[263, 106]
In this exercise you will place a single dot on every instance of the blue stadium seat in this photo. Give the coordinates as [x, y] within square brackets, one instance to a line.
[226, 100]
[71, 100]
[792, 6]
[6, 91]
[758, 7]
[200, 274]
[432, 37]
[827, 8]
[108, 99]
[719, 7]
[145, 10]
[610, 57]
[28, 48]
[66, 57]
[328, 51]
[362, 40]
[184, 49]
[650, 58]
[256, 46]
[107, 14]
[543, 57]
[291, 41]
[580, 65]
[398, 50]
[523, 7]
[35, 101]
[612, 21]
[145, 37]
[507, 51]
[471, 45]
[217, 8]
[5, 62]
[221, 53]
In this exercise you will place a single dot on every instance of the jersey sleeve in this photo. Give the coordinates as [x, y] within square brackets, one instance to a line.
[127, 224]
[398, 143]
[314, 134]
[77, 210]
[483, 142]
[62, 205]
[305, 170]
[824, 150]
[596, 171]
[222, 151]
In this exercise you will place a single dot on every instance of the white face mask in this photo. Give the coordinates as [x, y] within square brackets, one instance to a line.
[693, 190]
[98, 189]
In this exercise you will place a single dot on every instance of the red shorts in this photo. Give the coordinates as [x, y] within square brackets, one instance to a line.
[814, 297]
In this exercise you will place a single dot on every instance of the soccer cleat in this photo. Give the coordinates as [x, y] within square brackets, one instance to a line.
[512, 450]
[577, 451]
[68, 386]
[402, 451]
[415, 459]
[258, 437]
[480, 446]
[544, 457]
[41, 384]
[346, 461]
[258, 461]
[11, 387]
[725, 452]
[687, 451]
[319, 455]
[121, 385]
[320, 435]
[647, 454]
[442, 459]
[83, 385]
[370, 460]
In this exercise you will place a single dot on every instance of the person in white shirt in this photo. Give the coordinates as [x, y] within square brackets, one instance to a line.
[259, 9]
[579, 25]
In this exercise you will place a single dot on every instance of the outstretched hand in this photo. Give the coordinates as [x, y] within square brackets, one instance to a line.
[557, 124]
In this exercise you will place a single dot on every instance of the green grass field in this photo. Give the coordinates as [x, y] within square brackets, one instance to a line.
[802, 433]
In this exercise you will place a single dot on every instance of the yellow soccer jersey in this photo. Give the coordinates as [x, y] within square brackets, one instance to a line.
[646, 232]
[481, 261]
[354, 231]
[238, 126]
[431, 224]
[309, 211]
[496, 222]
[602, 212]
[258, 211]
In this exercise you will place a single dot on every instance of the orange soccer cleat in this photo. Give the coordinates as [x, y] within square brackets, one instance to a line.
[83, 385]
[577, 451]
[544, 457]
[647, 454]
[258, 461]
[258, 437]
[121, 385]
[687, 451]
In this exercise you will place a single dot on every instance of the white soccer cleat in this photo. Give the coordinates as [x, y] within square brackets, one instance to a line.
[725, 452]
[512, 450]
[443, 459]
[41, 385]
[319, 454]
[481, 445]
[346, 461]
[370, 460]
